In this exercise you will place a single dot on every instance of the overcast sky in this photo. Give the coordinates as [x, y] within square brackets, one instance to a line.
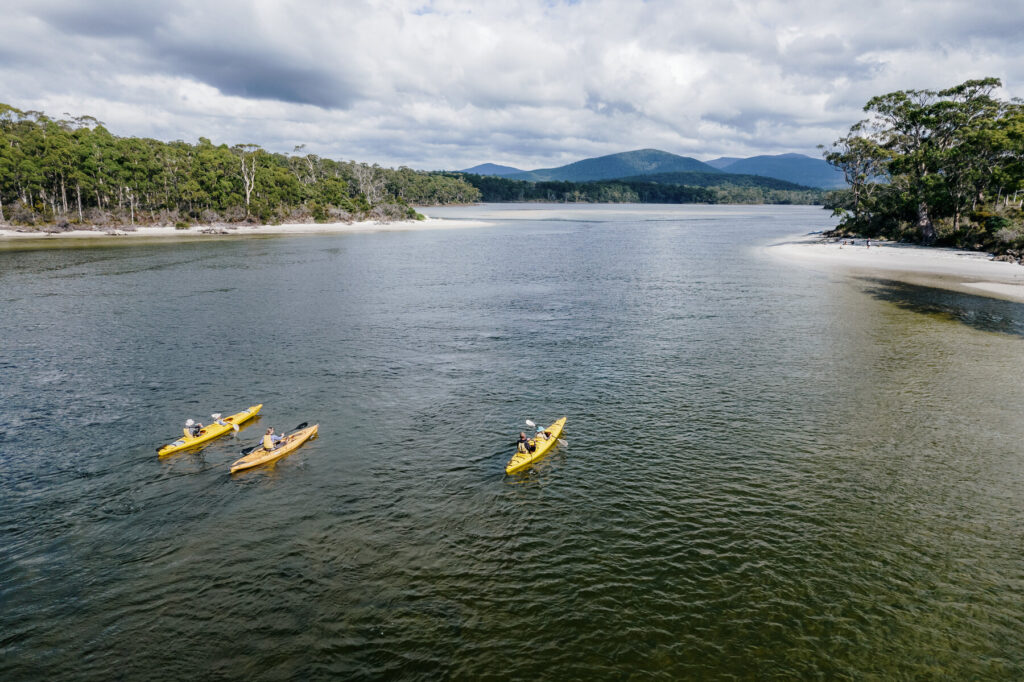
[527, 83]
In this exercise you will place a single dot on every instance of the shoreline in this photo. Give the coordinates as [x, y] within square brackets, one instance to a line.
[9, 236]
[970, 272]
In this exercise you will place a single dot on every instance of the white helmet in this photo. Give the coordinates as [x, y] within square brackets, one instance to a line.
[215, 416]
[189, 422]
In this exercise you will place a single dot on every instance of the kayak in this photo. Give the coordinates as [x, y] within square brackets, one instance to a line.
[210, 431]
[288, 445]
[521, 460]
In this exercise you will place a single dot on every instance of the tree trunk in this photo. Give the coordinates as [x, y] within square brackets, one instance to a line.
[2, 219]
[248, 179]
[78, 192]
[131, 203]
[924, 223]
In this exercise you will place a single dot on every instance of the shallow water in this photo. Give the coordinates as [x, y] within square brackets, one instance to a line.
[770, 471]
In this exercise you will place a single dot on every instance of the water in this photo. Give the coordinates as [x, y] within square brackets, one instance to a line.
[771, 472]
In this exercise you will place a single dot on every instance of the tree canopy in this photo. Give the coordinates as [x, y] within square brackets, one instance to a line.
[655, 190]
[74, 170]
[942, 167]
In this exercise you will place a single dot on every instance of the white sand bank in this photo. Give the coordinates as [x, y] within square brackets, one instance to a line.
[967, 271]
[228, 230]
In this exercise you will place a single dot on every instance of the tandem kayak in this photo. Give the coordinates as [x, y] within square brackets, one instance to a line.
[210, 431]
[288, 445]
[521, 460]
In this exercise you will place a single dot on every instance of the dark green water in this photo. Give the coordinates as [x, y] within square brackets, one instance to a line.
[772, 472]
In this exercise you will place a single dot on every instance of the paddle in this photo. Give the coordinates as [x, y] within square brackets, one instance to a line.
[561, 442]
[260, 444]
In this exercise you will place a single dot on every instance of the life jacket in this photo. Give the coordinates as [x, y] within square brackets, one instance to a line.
[268, 442]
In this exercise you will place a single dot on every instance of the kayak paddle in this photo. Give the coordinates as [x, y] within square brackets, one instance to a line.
[561, 442]
[259, 445]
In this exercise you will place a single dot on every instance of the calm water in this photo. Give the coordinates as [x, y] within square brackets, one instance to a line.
[771, 471]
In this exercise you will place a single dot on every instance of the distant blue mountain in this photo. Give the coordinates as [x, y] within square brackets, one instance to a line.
[803, 170]
[795, 168]
[492, 169]
[722, 162]
[612, 166]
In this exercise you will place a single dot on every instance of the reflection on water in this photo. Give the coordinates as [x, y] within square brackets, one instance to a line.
[980, 312]
[771, 472]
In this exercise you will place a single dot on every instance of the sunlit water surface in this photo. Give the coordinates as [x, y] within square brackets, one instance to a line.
[771, 471]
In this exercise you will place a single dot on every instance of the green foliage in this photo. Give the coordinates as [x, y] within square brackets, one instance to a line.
[76, 171]
[641, 190]
[943, 167]
[701, 179]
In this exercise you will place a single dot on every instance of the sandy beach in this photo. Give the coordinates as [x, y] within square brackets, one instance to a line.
[199, 231]
[966, 271]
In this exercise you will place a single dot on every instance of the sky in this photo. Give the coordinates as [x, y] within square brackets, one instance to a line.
[528, 83]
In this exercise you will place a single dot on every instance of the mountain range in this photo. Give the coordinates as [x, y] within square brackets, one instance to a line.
[659, 166]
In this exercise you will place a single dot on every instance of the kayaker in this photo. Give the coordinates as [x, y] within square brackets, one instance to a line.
[271, 440]
[192, 429]
[524, 444]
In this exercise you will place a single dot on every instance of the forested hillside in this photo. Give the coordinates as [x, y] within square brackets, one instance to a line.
[74, 171]
[939, 167]
[701, 179]
[638, 190]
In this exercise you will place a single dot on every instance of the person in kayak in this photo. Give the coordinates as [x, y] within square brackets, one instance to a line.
[271, 440]
[192, 429]
[525, 444]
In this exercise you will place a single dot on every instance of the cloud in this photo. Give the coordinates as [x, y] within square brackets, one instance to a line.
[534, 83]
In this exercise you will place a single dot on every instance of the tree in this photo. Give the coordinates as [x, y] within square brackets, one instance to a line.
[247, 153]
[931, 159]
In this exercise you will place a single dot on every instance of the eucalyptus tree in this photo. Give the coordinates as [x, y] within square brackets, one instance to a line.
[934, 155]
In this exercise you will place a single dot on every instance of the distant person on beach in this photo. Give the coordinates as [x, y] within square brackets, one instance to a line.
[867, 243]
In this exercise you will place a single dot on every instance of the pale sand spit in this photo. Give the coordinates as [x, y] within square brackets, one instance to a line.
[966, 271]
[248, 230]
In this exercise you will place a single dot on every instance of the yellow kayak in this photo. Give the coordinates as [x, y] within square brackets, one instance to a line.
[521, 460]
[210, 431]
[288, 445]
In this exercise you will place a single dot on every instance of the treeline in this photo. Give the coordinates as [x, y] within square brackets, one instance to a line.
[74, 171]
[938, 167]
[496, 189]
